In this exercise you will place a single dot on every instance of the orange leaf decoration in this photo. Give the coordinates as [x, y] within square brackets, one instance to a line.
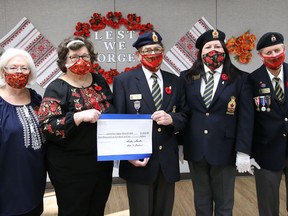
[241, 47]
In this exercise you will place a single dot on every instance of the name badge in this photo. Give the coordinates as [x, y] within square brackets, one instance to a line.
[135, 96]
[264, 91]
[196, 77]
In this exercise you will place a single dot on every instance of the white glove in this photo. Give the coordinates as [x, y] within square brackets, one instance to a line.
[181, 154]
[243, 162]
[253, 164]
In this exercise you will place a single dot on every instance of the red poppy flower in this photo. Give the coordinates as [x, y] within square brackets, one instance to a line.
[224, 77]
[98, 88]
[168, 90]
[286, 84]
[53, 107]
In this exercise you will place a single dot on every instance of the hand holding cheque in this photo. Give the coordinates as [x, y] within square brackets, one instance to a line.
[124, 137]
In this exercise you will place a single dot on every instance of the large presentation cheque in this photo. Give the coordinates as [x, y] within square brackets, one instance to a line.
[124, 137]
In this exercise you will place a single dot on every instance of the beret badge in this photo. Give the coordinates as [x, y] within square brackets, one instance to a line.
[215, 34]
[273, 38]
[154, 37]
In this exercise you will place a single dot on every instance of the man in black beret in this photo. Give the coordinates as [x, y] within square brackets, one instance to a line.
[270, 85]
[149, 90]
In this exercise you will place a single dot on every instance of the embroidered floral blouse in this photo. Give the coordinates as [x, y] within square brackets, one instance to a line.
[22, 169]
[60, 102]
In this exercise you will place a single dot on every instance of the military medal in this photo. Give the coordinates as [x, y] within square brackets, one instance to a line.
[268, 101]
[137, 105]
[263, 103]
[257, 102]
[231, 106]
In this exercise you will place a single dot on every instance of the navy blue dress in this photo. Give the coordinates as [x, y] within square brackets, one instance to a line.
[22, 169]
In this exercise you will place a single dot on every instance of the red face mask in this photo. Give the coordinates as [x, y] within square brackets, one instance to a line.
[81, 67]
[16, 80]
[274, 62]
[152, 61]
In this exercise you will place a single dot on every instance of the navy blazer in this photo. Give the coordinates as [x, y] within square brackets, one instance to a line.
[217, 133]
[165, 147]
[270, 128]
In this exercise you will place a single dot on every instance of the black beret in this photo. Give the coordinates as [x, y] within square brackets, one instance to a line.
[270, 39]
[210, 35]
[147, 38]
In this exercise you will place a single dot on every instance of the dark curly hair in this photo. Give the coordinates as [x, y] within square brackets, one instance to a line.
[63, 50]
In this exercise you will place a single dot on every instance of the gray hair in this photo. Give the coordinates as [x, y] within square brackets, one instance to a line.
[10, 53]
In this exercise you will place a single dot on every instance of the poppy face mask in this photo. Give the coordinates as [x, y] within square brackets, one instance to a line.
[213, 59]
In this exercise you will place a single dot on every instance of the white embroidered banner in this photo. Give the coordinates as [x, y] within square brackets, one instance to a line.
[183, 54]
[25, 36]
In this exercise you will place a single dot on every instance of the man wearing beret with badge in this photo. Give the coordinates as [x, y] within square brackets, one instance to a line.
[219, 132]
[270, 97]
[150, 90]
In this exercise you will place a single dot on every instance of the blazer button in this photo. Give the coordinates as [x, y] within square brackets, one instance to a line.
[205, 131]
[207, 114]
[160, 147]
[159, 130]
[284, 135]
[286, 119]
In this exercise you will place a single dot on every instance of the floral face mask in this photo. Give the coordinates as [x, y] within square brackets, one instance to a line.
[152, 61]
[81, 67]
[16, 80]
[213, 59]
[274, 62]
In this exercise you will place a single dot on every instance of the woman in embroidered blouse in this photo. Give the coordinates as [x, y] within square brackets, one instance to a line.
[22, 170]
[71, 106]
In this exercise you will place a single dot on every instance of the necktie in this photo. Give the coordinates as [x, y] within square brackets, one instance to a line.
[208, 92]
[156, 92]
[278, 90]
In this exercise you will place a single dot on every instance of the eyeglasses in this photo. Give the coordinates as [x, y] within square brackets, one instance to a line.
[75, 58]
[15, 69]
[156, 50]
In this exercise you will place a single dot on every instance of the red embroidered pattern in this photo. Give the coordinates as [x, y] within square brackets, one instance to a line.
[50, 107]
[92, 99]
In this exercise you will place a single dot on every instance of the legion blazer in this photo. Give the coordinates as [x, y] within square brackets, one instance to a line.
[270, 128]
[217, 133]
[165, 147]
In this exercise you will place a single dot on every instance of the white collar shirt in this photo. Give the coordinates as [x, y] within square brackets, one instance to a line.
[280, 76]
[150, 79]
[217, 76]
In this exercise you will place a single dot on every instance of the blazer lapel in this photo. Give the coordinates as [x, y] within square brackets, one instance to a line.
[197, 88]
[285, 71]
[220, 87]
[167, 83]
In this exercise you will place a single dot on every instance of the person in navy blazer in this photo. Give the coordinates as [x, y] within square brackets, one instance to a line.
[271, 121]
[151, 182]
[219, 129]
